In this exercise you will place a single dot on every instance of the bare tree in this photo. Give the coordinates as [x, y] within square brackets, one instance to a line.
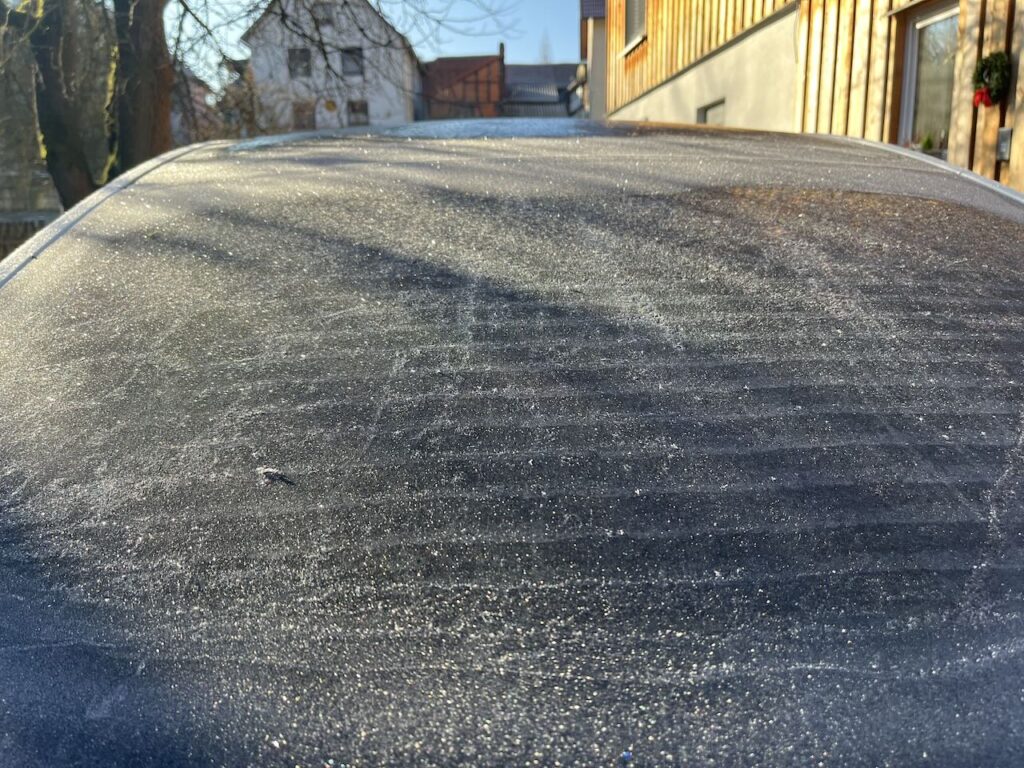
[47, 30]
[144, 79]
[139, 73]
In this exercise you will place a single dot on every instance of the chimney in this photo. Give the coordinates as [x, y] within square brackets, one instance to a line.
[501, 74]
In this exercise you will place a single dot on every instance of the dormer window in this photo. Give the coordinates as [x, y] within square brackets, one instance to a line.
[323, 14]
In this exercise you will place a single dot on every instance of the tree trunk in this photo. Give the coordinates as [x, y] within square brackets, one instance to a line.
[66, 157]
[145, 77]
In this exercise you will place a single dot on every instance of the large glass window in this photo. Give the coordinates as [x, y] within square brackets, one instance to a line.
[930, 56]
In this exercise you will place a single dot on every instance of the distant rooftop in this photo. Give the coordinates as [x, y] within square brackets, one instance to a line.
[533, 93]
[537, 90]
[523, 74]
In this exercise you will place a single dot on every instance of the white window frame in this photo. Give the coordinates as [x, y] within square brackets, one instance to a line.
[909, 93]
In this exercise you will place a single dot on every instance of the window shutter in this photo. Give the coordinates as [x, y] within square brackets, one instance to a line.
[636, 19]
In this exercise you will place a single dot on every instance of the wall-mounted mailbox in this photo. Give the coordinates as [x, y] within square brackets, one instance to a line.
[1003, 143]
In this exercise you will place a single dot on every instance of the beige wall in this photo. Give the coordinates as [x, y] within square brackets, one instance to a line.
[756, 75]
[597, 68]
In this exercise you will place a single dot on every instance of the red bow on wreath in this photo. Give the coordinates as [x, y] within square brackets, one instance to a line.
[991, 79]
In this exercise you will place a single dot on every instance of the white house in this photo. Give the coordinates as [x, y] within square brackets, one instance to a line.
[330, 64]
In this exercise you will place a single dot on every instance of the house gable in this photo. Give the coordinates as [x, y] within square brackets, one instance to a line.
[357, 69]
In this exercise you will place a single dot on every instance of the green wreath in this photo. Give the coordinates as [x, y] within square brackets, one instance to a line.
[991, 79]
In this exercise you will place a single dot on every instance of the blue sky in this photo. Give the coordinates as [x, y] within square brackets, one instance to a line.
[524, 29]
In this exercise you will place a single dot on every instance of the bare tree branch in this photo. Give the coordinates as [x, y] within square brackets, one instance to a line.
[72, 61]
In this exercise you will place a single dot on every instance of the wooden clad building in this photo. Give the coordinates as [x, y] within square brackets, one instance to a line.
[467, 86]
[898, 71]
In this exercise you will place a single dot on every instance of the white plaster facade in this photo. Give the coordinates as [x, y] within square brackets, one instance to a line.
[597, 69]
[388, 88]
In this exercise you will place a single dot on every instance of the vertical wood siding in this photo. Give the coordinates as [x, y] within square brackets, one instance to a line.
[476, 94]
[679, 33]
[851, 59]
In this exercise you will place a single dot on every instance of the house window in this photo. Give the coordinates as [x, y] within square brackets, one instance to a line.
[323, 14]
[712, 114]
[352, 61]
[928, 79]
[636, 21]
[300, 62]
[304, 116]
[358, 113]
